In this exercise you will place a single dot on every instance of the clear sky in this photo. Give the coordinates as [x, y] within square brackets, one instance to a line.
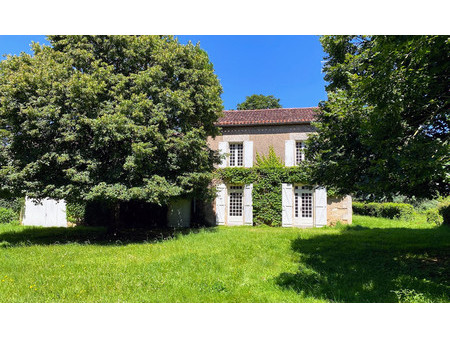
[288, 66]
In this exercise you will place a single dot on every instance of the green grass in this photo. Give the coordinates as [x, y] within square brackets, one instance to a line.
[374, 260]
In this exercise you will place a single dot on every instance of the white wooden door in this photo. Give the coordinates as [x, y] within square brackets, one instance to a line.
[303, 207]
[235, 205]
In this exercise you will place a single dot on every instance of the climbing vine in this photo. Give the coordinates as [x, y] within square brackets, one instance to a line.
[266, 176]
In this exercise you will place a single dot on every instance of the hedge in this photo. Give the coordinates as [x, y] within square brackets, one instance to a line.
[387, 210]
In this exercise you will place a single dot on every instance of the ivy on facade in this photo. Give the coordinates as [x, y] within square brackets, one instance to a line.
[266, 176]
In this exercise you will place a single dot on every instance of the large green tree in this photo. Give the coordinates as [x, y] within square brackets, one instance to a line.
[384, 128]
[259, 102]
[111, 118]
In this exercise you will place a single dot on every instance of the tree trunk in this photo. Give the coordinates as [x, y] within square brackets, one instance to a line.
[116, 221]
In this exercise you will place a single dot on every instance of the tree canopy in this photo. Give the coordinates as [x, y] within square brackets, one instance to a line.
[113, 118]
[259, 102]
[384, 128]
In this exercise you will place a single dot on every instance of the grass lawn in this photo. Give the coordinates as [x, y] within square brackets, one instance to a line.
[374, 260]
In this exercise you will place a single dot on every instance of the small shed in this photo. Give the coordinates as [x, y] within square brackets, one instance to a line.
[47, 213]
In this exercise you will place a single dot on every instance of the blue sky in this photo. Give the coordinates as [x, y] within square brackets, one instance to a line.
[288, 66]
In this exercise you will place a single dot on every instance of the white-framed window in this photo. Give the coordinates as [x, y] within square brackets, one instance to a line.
[236, 201]
[236, 154]
[299, 152]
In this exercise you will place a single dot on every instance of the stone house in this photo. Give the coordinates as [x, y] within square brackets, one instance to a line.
[247, 132]
[244, 133]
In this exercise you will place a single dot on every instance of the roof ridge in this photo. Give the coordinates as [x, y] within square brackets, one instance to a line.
[268, 116]
[242, 110]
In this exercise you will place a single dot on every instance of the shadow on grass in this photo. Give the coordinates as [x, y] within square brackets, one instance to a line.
[19, 235]
[359, 264]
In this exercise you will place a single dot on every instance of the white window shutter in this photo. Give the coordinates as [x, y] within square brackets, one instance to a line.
[286, 216]
[321, 206]
[220, 204]
[223, 147]
[289, 153]
[248, 154]
[248, 204]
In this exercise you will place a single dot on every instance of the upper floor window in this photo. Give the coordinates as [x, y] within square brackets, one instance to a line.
[299, 152]
[236, 155]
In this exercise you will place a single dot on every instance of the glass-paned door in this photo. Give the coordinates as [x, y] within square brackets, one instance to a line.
[303, 206]
[235, 205]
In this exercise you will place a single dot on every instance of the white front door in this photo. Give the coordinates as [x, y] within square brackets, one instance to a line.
[235, 205]
[303, 207]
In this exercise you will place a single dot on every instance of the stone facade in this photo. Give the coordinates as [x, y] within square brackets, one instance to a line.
[338, 209]
[263, 137]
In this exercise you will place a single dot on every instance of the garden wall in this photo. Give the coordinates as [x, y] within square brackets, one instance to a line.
[339, 209]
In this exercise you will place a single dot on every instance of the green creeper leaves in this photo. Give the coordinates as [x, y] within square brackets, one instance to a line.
[267, 177]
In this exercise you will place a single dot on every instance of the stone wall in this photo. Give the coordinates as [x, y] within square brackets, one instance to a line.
[339, 209]
[263, 137]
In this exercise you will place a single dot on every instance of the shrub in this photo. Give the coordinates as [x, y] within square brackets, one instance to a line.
[387, 210]
[433, 216]
[75, 212]
[7, 215]
[444, 211]
[15, 204]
